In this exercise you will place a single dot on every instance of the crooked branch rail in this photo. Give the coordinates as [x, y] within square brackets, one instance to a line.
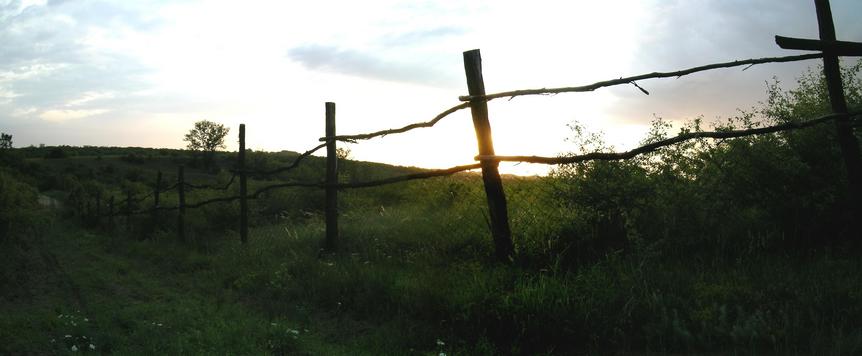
[614, 156]
[584, 88]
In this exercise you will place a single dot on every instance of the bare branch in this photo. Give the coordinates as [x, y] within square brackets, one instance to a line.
[613, 156]
[287, 168]
[654, 75]
[417, 125]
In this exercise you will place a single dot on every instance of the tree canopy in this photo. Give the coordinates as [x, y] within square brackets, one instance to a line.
[206, 136]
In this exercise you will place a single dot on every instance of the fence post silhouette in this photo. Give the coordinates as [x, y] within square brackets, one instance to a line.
[500, 231]
[181, 206]
[155, 215]
[111, 214]
[243, 201]
[331, 180]
[846, 139]
[98, 208]
[128, 210]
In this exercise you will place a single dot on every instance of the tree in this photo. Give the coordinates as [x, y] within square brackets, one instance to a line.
[5, 141]
[206, 137]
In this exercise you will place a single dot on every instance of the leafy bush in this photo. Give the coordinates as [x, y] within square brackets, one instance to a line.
[18, 205]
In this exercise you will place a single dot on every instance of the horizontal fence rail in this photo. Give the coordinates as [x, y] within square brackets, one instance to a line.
[584, 88]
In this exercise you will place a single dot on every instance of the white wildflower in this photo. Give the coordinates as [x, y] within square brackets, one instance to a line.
[92, 347]
[67, 336]
[74, 348]
[440, 343]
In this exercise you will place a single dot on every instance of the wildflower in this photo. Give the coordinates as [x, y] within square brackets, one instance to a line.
[67, 336]
[92, 347]
[159, 324]
[292, 331]
[85, 319]
[440, 343]
[273, 324]
[74, 348]
[442, 354]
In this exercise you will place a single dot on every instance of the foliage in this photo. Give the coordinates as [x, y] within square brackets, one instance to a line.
[18, 203]
[206, 137]
[5, 141]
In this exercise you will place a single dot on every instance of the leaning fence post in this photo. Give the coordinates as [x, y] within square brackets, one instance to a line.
[181, 205]
[500, 230]
[243, 201]
[331, 181]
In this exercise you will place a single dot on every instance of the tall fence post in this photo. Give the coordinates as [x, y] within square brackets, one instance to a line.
[243, 200]
[181, 204]
[331, 181]
[500, 230]
[846, 139]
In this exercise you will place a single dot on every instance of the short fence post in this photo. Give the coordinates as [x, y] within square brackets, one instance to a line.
[128, 211]
[243, 201]
[111, 214]
[500, 230]
[88, 214]
[331, 181]
[181, 206]
[156, 199]
[98, 208]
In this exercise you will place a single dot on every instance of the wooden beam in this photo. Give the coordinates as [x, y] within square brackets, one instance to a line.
[846, 138]
[243, 187]
[837, 48]
[500, 230]
[331, 179]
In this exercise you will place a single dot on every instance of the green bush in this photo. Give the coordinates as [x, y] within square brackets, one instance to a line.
[18, 205]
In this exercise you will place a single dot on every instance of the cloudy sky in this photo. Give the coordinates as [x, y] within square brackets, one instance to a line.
[140, 73]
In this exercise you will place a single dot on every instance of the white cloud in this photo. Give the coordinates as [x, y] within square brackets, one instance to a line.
[67, 115]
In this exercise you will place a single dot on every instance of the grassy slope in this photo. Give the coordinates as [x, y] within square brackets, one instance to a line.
[412, 272]
[136, 299]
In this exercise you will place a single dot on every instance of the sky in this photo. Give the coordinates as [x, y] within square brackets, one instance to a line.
[140, 73]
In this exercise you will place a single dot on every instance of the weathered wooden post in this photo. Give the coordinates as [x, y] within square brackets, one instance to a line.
[128, 211]
[847, 141]
[500, 230]
[156, 193]
[98, 207]
[243, 201]
[181, 204]
[88, 215]
[331, 180]
[111, 214]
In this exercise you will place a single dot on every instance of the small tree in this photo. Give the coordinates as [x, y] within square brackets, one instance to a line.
[5, 141]
[206, 137]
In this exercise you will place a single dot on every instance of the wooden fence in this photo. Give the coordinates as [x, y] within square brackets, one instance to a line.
[827, 46]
